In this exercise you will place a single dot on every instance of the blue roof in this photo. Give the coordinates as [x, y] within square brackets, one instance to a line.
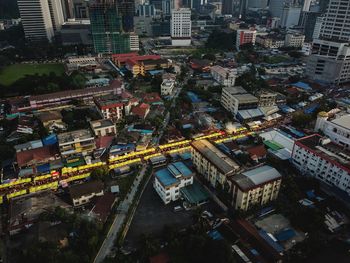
[185, 156]
[193, 97]
[214, 234]
[182, 168]
[165, 177]
[311, 109]
[285, 234]
[302, 85]
[270, 241]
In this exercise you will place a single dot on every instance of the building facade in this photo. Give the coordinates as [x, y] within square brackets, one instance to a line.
[41, 19]
[79, 142]
[103, 127]
[294, 40]
[234, 99]
[224, 76]
[330, 57]
[169, 181]
[336, 128]
[180, 27]
[318, 157]
[255, 187]
[215, 166]
[245, 36]
[106, 28]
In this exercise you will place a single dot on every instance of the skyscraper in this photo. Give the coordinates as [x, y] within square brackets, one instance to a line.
[106, 28]
[276, 7]
[181, 27]
[330, 61]
[40, 18]
[126, 10]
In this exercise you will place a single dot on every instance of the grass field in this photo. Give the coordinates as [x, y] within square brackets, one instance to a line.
[16, 71]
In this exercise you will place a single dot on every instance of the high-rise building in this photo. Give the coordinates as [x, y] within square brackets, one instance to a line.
[126, 10]
[317, 29]
[40, 18]
[308, 23]
[146, 10]
[290, 16]
[276, 7]
[181, 27]
[257, 3]
[106, 28]
[231, 7]
[330, 59]
[75, 8]
[166, 7]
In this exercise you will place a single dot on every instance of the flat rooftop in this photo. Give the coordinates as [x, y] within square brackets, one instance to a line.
[326, 149]
[220, 160]
[246, 98]
[342, 121]
[166, 178]
[101, 123]
[74, 135]
[255, 177]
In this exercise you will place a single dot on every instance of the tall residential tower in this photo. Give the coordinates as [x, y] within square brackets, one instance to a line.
[181, 27]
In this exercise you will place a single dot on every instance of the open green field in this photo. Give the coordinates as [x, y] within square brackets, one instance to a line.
[16, 71]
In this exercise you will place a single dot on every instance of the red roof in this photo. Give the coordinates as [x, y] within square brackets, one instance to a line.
[104, 141]
[133, 57]
[36, 155]
[103, 206]
[160, 258]
[258, 151]
[151, 97]
[141, 110]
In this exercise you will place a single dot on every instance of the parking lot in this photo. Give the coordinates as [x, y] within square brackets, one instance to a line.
[152, 215]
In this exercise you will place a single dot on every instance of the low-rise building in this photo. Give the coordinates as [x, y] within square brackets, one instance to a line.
[169, 181]
[336, 127]
[82, 194]
[270, 41]
[167, 87]
[324, 160]
[103, 127]
[294, 40]
[52, 120]
[141, 110]
[234, 99]
[224, 76]
[213, 164]
[257, 186]
[76, 142]
[266, 98]
[76, 63]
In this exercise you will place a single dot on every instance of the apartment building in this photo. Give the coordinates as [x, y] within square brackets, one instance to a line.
[236, 98]
[266, 98]
[169, 181]
[324, 160]
[270, 41]
[76, 143]
[330, 59]
[336, 127]
[257, 186]
[210, 162]
[245, 36]
[110, 107]
[224, 76]
[180, 27]
[294, 40]
[103, 127]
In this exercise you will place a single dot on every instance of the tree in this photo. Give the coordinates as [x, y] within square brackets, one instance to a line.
[100, 173]
[221, 40]
[300, 119]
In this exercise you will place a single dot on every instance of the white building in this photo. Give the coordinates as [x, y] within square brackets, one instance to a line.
[211, 163]
[82, 194]
[236, 98]
[337, 128]
[180, 27]
[330, 61]
[103, 127]
[134, 42]
[317, 157]
[169, 181]
[290, 16]
[294, 40]
[167, 87]
[224, 76]
[255, 187]
[245, 36]
[306, 49]
[40, 18]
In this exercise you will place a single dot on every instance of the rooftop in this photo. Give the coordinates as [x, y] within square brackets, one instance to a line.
[98, 124]
[220, 160]
[342, 121]
[255, 177]
[74, 135]
[79, 190]
[326, 149]
[235, 90]
[166, 178]
[246, 98]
